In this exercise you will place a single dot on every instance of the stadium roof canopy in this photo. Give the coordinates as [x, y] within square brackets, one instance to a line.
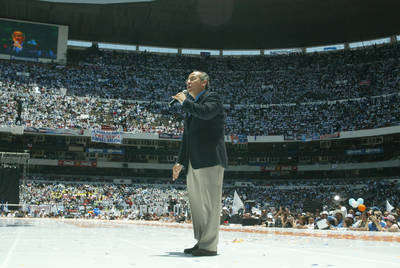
[215, 24]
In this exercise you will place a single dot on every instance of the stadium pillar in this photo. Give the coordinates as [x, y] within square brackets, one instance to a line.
[346, 46]
[303, 50]
[221, 52]
[179, 51]
[262, 52]
[393, 39]
[137, 47]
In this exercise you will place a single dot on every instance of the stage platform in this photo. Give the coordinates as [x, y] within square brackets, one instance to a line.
[40, 243]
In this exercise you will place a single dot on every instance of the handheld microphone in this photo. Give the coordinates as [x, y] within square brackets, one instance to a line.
[175, 100]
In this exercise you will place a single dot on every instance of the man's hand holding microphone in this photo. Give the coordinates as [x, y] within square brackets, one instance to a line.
[180, 97]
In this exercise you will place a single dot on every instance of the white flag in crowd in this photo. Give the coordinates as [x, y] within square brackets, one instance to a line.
[389, 207]
[237, 204]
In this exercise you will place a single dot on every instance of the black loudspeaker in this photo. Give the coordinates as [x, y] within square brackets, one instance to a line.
[312, 206]
[236, 219]
[251, 221]
[9, 185]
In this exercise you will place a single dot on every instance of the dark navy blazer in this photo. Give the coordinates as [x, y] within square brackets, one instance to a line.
[203, 141]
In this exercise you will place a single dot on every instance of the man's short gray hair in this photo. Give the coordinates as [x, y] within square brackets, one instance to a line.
[204, 77]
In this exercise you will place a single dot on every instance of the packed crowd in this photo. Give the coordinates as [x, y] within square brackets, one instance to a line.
[275, 95]
[315, 118]
[264, 79]
[105, 201]
[47, 110]
[296, 195]
[273, 205]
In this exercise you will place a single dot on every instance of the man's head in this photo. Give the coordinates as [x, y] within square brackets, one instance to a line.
[303, 220]
[386, 213]
[378, 214]
[390, 219]
[338, 216]
[264, 212]
[197, 82]
[349, 219]
[324, 214]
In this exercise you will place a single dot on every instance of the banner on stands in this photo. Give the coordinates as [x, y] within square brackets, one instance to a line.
[75, 163]
[285, 168]
[169, 136]
[330, 136]
[239, 139]
[311, 137]
[267, 168]
[105, 151]
[106, 136]
[54, 131]
[288, 137]
[365, 151]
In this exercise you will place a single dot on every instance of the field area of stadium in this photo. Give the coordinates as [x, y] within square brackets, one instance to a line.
[96, 243]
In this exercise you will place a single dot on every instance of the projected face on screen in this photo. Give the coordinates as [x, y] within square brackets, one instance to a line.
[28, 40]
[18, 38]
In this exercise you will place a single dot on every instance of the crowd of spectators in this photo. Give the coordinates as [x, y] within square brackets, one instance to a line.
[315, 118]
[103, 201]
[296, 194]
[44, 109]
[281, 204]
[290, 78]
[318, 93]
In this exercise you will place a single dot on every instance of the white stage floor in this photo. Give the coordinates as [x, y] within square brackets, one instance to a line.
[53, 243]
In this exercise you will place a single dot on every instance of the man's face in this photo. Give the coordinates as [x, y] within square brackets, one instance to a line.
[378, 214]
[194, 85]
[349, 221]
[388, 223]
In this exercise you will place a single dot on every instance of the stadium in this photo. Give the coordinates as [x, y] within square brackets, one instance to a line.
[89, 139]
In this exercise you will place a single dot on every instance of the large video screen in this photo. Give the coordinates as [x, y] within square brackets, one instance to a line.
[30, 40]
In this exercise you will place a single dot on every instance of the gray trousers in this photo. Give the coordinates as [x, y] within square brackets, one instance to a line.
[205, 190]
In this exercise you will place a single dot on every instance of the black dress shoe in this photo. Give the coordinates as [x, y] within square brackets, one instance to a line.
[203, 252]
[190, 250]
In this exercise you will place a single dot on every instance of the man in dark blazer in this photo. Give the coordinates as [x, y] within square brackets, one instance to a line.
[203, 155]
